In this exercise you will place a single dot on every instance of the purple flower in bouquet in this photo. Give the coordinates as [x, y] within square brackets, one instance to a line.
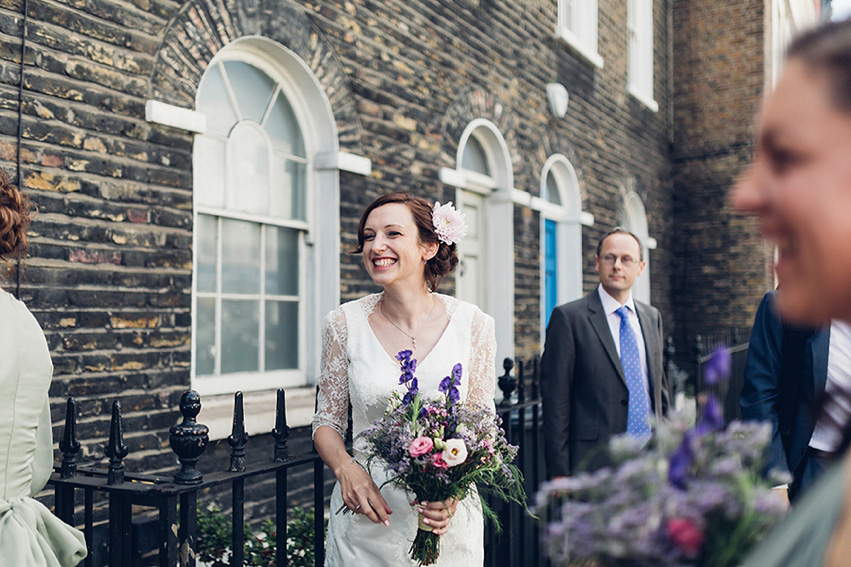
[450, 383]
[718, 367]
[436, 448]
[699, 489]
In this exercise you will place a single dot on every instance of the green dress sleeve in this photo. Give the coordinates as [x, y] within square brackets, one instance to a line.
[803, 536]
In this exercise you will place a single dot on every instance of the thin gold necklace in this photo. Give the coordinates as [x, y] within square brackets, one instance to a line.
[412, 337]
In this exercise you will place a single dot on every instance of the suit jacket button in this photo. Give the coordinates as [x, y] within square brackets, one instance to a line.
[624, 403]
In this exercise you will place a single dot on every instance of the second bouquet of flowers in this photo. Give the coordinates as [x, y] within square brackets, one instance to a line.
[436, 448]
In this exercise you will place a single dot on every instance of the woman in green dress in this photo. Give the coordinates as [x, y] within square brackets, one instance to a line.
[799, 185]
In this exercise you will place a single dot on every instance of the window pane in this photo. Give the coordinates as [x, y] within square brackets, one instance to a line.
[248, 170]
[215, 103]
[283, 128]
[206, 235]
[209, 180]
[281, 335]
[474, 157]
[252, 88]
[240, 336]
[553, 195]
[240, 256]
[289, 188]
[205, 336]
[281, 261]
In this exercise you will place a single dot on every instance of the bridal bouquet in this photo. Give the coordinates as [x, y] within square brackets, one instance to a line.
[437, 448]
[696, 497]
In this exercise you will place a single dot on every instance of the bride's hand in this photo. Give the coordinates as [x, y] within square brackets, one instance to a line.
[438, 515]
[361, 495]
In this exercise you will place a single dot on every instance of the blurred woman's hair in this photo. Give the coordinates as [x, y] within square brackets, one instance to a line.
[827, 50]
[15, 215]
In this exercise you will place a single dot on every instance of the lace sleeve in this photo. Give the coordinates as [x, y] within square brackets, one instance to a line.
[332, 397]
[483, 361]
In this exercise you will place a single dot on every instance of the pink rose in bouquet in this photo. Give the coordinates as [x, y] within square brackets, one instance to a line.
[420, 446]
[437, 448]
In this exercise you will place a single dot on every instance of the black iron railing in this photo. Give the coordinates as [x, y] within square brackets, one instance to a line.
[174, 500]
[520, 411]
[727, 391]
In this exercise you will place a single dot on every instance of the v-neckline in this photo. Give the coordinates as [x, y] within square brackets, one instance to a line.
[420, 361]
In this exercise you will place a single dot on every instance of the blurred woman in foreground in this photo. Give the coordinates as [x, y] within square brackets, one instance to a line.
[799, 185]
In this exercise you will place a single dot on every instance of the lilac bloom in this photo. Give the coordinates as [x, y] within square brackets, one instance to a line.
[718, 368]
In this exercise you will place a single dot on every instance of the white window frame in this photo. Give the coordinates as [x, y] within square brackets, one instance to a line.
[640, 52]
[634, 218]
[569, 219]
[577, 26]
[498, 188]
[320, 244]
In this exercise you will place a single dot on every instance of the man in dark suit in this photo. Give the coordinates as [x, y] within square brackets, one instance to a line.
[584, 385]
[786, 373]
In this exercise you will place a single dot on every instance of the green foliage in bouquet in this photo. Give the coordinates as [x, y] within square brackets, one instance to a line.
[437, 448]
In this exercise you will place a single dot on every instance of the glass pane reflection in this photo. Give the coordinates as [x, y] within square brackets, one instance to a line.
[240, 336]
[281, 335]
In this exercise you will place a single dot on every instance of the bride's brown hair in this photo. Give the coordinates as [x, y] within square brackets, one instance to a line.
[15, 215]
[446, 258]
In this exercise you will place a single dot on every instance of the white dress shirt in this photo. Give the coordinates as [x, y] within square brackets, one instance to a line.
[828, 436]
[610, 305]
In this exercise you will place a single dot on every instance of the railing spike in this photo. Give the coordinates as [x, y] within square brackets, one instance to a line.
[116, 450]
[238, 437]
[507, 382]
[189, 439]
[282, 430]
[521, 382]
[69, 444]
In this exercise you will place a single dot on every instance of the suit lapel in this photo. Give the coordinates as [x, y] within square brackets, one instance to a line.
[597, 318]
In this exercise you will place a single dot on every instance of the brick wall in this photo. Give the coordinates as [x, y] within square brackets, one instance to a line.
[109, 275]
[722, 266]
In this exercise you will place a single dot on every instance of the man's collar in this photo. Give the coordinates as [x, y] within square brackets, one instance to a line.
[610, 304]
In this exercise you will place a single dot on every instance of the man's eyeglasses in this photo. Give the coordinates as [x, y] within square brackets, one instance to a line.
[626, 261]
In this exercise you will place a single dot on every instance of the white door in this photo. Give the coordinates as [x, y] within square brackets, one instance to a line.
[471, 250]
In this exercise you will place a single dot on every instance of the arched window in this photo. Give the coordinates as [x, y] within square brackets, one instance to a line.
[483, 276]
[561, 235]
[634, 219]
[258, 290]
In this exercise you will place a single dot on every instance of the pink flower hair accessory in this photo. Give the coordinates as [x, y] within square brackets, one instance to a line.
[448, 223]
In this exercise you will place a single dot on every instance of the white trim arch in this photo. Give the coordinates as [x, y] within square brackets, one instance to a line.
[566, 212]
[319, 245]
[491, 194]
[634, 219]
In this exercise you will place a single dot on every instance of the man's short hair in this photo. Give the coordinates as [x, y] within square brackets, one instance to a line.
[621, 230]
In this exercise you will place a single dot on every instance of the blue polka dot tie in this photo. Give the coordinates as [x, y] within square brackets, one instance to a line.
[638, 411]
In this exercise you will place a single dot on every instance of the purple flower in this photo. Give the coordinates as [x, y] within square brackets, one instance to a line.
[680, 462]
[450, 383]
[712, 418]
[413, 390]
[718, 368]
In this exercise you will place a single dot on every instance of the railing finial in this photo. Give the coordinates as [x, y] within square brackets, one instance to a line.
[116, 450]
[69, 444]
[507, 382]
[282, 430]
[238, 437]
[189, 439]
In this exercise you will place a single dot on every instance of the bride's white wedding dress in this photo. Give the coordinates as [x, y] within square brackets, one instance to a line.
[356, 368]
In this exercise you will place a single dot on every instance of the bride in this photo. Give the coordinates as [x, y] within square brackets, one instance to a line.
[408, 246]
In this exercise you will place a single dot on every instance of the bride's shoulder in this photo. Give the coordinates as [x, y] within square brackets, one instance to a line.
[460, 307]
